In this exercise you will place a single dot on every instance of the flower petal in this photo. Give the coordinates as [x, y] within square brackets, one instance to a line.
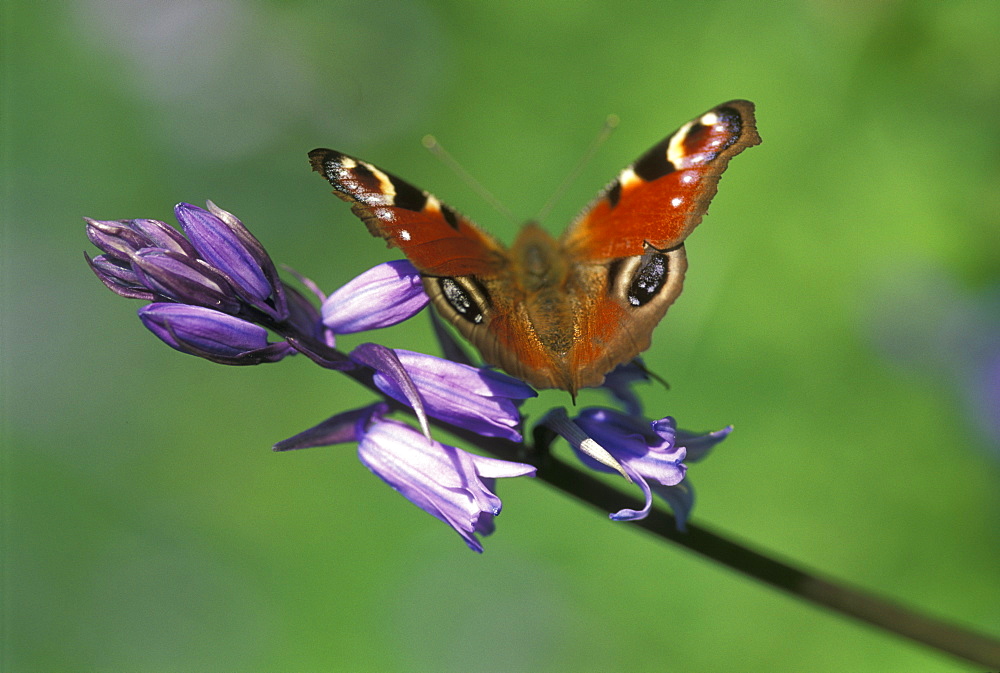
[590, 452]
[189, 281]
[347, 426]
[217, 243]
[259, 254]
[210, 334]
[122, 238]
[119, 277]
[699, 445]
[636, 514]
[162, 235]
[494, 468]
[618, 383]
[303, 316]
[477, 399]
[680, 498]
[392, 373]
[384, 295]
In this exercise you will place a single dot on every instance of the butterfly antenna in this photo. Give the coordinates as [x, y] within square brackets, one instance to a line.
[435, 148]
[606, 130]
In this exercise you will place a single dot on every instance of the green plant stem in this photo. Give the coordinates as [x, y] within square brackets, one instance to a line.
[965, 644]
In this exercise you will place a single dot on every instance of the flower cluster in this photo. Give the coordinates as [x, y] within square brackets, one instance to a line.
[214, 292]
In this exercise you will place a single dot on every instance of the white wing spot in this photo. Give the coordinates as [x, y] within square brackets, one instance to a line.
[627, 177]
[709, 119]
[675, 149]
[404, 235]
[676, 201]
[689, 178]
[384, 183]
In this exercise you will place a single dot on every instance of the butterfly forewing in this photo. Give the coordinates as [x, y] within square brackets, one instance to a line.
[438, 240]
[662, 197]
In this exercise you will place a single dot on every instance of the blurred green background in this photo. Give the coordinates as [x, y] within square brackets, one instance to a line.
[841, 309]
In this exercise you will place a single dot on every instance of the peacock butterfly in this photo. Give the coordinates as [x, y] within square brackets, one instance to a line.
[559, 313]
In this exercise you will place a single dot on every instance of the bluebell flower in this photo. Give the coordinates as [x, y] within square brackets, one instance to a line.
[119, 277]
[646, 451]
[680, 497]
[698, 445]
[302, 321]
[474, 398]
[119, 239]
[448, 483]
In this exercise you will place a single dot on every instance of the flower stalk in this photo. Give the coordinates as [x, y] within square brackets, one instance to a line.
[974, 647]
[838, 597]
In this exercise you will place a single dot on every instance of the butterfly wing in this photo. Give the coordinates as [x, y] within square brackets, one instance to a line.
[662, 197]
[438, 240]
[627, 246]
[465, 270]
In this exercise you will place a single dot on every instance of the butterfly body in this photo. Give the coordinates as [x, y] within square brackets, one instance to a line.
[559, 313]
